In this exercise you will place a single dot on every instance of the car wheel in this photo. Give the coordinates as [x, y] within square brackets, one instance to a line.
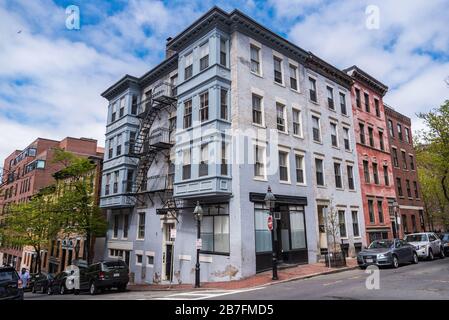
[430, 255]
[442, 255]
[415, 258]
[395, 263]
[93, 288]
[62, 290]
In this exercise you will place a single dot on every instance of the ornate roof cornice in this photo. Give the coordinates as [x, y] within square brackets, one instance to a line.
[359, 75]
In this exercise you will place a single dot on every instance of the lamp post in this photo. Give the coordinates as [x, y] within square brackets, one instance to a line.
[270, 202]
[396, 208]
[198, 214]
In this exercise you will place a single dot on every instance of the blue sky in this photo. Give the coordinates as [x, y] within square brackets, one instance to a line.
[51, 78]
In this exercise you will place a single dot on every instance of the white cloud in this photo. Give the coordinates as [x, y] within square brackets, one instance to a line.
[403, 53]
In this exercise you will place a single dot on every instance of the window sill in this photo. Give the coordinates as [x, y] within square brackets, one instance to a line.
[259, 125]
[336, 148]
[340, 189]
[260, 179]
[285, 182]
[283, 132]
[295, 91]
[140, 239]
[348, 151]
[257, 74]
[301, 184]
[318, 142]
[321, 187]
[215, 253]
[355, 191]
[314, 102]
[298, 136]
[279, 84]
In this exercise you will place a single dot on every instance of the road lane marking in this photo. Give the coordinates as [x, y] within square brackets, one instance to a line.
[331, 283]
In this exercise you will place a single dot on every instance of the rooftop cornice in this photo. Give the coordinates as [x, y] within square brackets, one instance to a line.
[121, 85]
[360, 75]
[160, 70]
[397, 115]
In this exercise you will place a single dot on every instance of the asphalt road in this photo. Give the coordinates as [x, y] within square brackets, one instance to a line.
[426, 280]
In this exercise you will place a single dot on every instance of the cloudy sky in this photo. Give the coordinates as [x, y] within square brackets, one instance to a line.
[51, 78]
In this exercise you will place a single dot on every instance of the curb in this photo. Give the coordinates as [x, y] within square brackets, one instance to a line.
[312, 275]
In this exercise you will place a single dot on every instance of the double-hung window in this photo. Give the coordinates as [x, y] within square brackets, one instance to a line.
[277, 70]
[186, 164]
[334, 137]
[316, 130]
[351, 184]
[377, 107]
[390, 128]
[342, 223]
[371, 136]
[188, 70]
[187, 114]
[400, 131]
[281, 121]
[122, 107]
[362, 133]
[297, 130]
[367, 108]
[404, 160]
[283, 166]
[257, 109]
[346, 139]
[337, 173]
[293, 77]
[116, 225]
[204, 106]
[366, 171]
[204, 161]
[299, 161]
[358, 101]
[255, 59]
[114, 112]
[386, 176]
[343, 103]
[204, 56]
[312, 90]
[355, 224]
[223, 52]
[319, 171]
[330, 98]
[259, 162]
[395, 157]
[224, 104]
[375, 173]
[381, 140]
[141, 226]
[115, 185]
[119, 145]
[380, 211]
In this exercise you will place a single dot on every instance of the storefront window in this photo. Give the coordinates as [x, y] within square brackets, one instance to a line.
[215, 228]
[263, 234]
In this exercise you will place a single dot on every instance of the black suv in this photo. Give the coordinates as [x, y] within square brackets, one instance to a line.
[445, 242]
[104, 275]
[10, 284]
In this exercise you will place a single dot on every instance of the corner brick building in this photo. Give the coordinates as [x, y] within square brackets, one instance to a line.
[405, 172]
[27, 171]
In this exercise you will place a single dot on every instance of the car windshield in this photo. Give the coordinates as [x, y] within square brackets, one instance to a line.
[111, 265]
[381, 244]
[8, 275]
[416, 238]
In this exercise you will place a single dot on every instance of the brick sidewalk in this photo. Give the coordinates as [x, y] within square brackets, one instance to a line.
[260, 279]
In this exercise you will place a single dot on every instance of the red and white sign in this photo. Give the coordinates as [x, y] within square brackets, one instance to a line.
[270, 222]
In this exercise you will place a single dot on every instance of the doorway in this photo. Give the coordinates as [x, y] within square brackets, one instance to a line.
[322, 236]
[167, 252]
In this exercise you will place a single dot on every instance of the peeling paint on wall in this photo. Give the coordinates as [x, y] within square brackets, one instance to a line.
[230, 271]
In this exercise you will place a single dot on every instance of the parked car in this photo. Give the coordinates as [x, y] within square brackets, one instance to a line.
[387, 253]
[58, 283]
[445, 242]
[427, 244]
[42, 282]
[104, 275]
[11, 287]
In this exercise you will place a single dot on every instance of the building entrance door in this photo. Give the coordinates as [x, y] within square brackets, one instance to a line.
[322, 239]
[167, 252]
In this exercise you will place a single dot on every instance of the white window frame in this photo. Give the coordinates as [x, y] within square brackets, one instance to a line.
[324, 170]
[284, 116]
[329, 86]
[303, 155]
[352, 165]
[279, 57]
[139, 253]
[310, 76]
[260, 94]
[138, 225]
[296, 66]
[259, 47]
[319, 127]
[301, 133]
[348, 130]
[341, 175]
[358, 223]
[346, 223]
[264, 155]
[287, 151]
[334, 123]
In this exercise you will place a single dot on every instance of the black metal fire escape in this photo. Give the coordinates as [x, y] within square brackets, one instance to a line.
[148, 143]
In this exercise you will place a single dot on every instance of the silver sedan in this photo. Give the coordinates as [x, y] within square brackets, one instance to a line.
[387, 253]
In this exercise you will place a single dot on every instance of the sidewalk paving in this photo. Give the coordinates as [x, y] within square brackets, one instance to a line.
[260, 279]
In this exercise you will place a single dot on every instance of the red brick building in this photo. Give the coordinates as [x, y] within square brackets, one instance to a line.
[405, 173]
[373, 150]
[27, 171]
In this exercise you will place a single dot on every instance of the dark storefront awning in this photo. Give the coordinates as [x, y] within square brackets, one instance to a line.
[282, 199]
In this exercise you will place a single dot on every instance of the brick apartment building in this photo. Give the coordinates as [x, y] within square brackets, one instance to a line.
[27, 171]
[376, 173]
[405, 172]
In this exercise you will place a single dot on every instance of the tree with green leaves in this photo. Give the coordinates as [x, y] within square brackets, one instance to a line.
[33, 223]
[432, 149]
[76, 199]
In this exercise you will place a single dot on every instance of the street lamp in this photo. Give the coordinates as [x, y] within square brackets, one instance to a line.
[270, 202]
[396, 207]
[198, 214]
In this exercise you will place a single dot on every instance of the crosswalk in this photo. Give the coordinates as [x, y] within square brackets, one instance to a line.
[204, 294]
